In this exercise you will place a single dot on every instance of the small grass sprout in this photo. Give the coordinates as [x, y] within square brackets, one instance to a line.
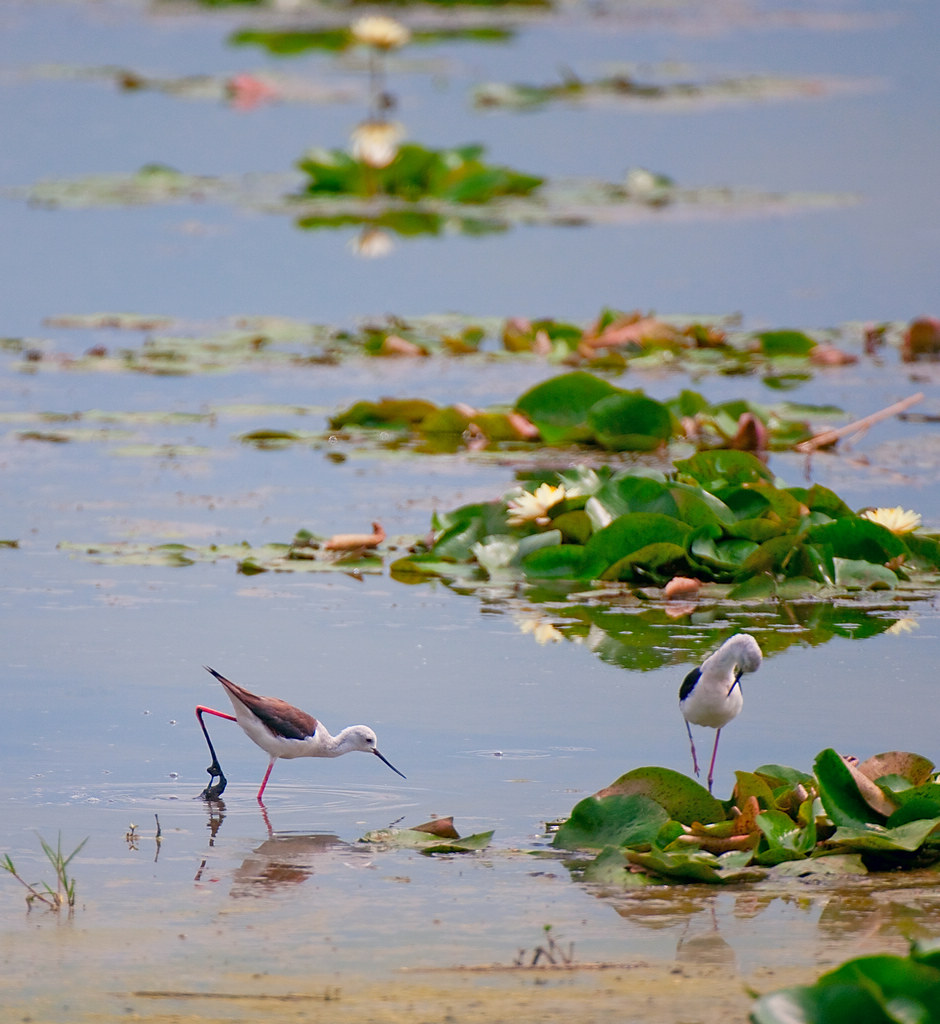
[63, 894]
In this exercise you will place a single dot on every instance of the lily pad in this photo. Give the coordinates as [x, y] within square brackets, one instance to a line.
[873, 989]
[694, 865]
[427, 843]
[559, 407]
[682, 798]
[614, 820]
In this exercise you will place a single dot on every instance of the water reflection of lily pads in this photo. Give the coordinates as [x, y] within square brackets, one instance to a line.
[567, 203]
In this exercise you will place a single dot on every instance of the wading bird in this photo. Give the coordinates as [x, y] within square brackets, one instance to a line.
[281, 730]
[711, 695]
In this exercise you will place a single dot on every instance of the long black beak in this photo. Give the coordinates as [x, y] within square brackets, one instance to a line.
[381, 757]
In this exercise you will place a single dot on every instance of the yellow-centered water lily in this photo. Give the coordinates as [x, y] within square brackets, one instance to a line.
[380, 32]
[897, 520]
[533, 508]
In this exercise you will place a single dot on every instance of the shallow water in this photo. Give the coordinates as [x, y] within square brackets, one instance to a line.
[102, 662]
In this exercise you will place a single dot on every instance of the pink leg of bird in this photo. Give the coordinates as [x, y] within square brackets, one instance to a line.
[264, 781]
[688, 729]
[213, 791]
[711, 767]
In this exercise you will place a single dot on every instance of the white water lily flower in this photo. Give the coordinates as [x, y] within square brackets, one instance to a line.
[495, 553]
[897, 520]
[380, 31]
[376, 142]
[533, 508]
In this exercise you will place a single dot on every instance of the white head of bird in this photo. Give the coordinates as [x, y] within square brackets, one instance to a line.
[711, 695]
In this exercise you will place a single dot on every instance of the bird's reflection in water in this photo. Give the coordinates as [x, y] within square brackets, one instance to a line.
[216, 809]
[283, 860]
[691, 913]
[701, 944]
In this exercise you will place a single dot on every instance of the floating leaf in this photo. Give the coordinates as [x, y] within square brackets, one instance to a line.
[839, 793]
[629, 534]
[913, 767]
[784, 839]
[681, 797]
[630, 422]
[718, 470]
[775, 344]
[692, 865]
[611, 868]
[873, 989]
[559, 407]
[904, 838]
[858, 539]
[615, 820]
[417, 839]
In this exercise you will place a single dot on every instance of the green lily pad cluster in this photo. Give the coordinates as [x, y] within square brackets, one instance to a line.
[655, 825]
[719, 516]
[456, 175]
[305, 553]
[293, 42]
[611, 342]
[622, 87]
[578, 408]
[875, 989]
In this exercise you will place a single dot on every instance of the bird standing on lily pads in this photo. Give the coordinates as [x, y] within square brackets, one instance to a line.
[711, 695]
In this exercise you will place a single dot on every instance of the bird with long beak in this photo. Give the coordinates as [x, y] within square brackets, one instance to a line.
[711, 695]
[281, 730]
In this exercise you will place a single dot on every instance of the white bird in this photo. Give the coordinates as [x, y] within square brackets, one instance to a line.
[711, 695]
[281, 730]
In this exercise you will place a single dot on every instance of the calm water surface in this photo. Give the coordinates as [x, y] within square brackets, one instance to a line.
[103, 663]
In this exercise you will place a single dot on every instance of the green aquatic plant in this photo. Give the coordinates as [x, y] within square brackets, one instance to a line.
[625, 86]
[613, 341]
[874, 989]
[455, 175]
[653, 824]
[579, 408]
[718, 516]
[435, 836]
[54, 897]
[293, 42]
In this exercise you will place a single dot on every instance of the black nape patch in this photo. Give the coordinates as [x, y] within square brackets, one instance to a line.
[688, 684]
